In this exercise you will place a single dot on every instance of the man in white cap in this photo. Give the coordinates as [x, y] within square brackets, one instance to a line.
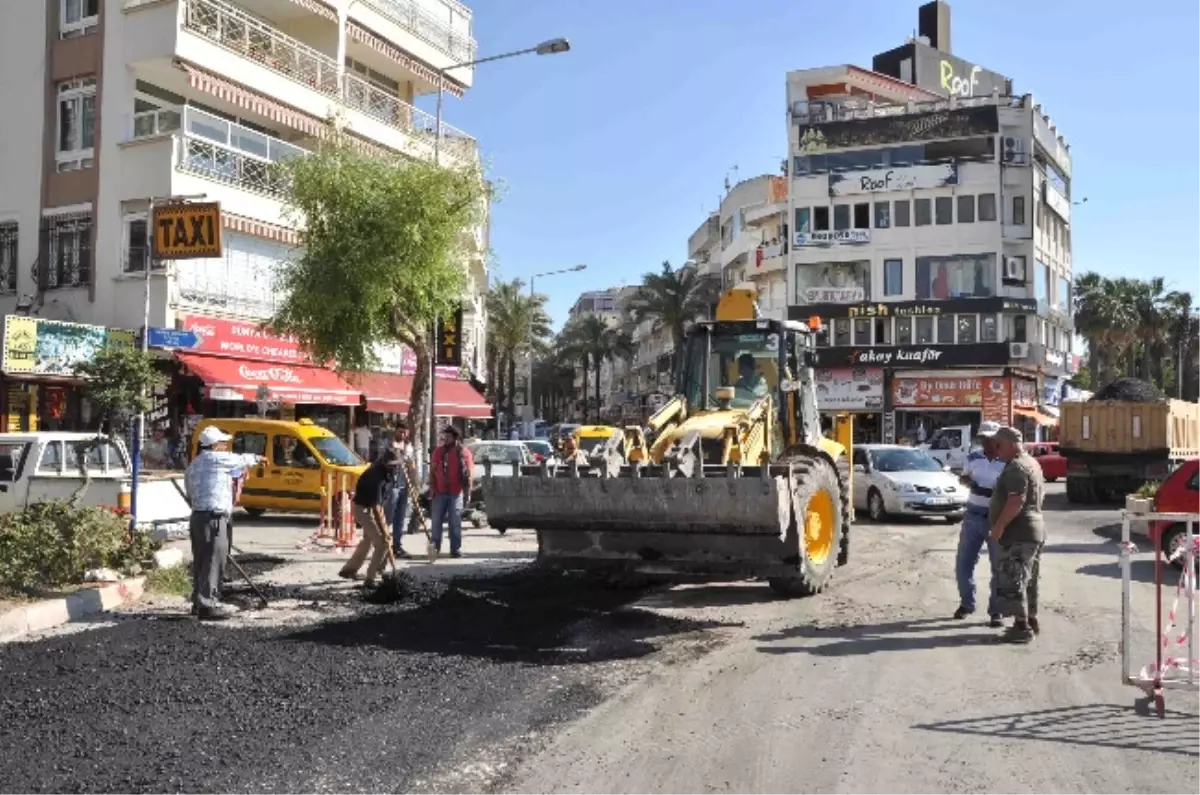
[209, 480]
[979, 475]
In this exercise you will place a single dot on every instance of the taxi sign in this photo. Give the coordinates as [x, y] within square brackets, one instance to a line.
[187, 231]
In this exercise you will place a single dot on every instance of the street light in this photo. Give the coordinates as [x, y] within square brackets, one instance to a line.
[532, 280]
[548, 47]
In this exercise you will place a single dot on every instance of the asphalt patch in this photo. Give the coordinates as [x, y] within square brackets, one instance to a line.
[380, 702]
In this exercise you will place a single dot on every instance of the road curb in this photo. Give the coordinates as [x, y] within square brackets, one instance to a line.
[49, 613]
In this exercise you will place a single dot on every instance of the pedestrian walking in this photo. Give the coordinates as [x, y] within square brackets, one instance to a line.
[362, 440]
[450, 470]
[369, 497]
[982, 470]
[400, 499]
[1015, 514]
[210, 486]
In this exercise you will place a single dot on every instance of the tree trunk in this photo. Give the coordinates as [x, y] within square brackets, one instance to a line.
[586, 365]
[512, 391]
[419, 399]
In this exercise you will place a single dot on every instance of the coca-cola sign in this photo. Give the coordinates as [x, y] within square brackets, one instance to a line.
[279, 375]
[245, 339]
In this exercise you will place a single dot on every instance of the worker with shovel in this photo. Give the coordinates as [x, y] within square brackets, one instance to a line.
[369, 499]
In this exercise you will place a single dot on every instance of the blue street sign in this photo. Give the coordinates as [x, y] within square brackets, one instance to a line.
[172, 338]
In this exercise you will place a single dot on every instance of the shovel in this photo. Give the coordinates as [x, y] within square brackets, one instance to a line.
[431, 551]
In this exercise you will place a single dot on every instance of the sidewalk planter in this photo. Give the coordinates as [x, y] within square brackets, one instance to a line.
[1134, 504]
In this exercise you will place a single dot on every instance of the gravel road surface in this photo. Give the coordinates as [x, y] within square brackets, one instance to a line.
[530, 682]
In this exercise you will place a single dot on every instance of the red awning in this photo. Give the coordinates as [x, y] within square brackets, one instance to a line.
[229, 378]
[387, 393]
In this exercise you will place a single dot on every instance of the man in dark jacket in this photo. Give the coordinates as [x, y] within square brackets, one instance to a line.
[370, 494]
[450, 470]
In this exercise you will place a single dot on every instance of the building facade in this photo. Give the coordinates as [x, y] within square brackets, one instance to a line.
[931, 234]
[131, 100]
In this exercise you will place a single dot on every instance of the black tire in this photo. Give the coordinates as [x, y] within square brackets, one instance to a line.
[875, 505]
[1051, 480]
[813, 474]
[255, 513]
[1081, 490]
[1171, 536]
[500, 530]
[843, 471]
[953, 519]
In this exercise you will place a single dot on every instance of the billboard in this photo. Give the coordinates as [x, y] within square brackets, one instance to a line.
[881, 130]
[882, 180]
[951, 76]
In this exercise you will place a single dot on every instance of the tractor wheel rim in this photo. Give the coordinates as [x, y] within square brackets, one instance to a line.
[819, 522]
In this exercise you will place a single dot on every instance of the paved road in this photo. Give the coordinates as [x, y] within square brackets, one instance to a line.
[522, 682]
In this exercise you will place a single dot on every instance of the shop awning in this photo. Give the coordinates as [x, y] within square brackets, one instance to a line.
[388, 393]
[229, 378]
[1037, 416]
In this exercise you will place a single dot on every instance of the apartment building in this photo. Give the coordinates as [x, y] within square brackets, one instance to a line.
[127, 100]
[930, 225]
[753, 240]
[615, 374]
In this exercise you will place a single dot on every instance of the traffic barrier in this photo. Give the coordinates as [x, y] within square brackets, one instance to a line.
[1170, 670]
[336, 529]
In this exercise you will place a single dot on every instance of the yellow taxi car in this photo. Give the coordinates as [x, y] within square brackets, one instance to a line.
[303, 461]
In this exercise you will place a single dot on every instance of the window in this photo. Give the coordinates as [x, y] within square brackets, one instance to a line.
[966, 209]
[1018, 210]
[76, 123]
[841, 217]
[803, 220]
[254, 443]
[820, 219]
[924, 330]
[137, 245]
[242, 280]
[962, 276]
[893, 277]
[1063, 300]
[883, 331]
[966, 329]
[987, 328]
[987, 207]
[76, 17]
[923, 210]
[288, 451]
[862, 331]
[8, 257]
[1020, 329]
[904, 331]
[1041, 283]
[944, 210]
[901, 210]
[883, 215]
[945, 329]
[841, 331]
[862, 216]
[51, 458]
[12, 460]
[69, 250]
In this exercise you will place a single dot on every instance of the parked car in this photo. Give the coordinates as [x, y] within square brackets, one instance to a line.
[540, 449]
[1054, 466]
[499, 456]
[905, 481]
[1179, 493]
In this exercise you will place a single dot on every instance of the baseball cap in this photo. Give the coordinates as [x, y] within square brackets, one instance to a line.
[987, 429]
[212, 435]
[1010, 435]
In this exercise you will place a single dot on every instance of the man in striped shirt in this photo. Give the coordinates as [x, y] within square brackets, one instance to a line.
[982, 470]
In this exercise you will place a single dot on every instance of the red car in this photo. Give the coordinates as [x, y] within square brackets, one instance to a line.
[1054, 466]
[1179, 493]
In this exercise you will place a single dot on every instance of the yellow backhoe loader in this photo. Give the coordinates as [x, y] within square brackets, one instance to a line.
[731, 478]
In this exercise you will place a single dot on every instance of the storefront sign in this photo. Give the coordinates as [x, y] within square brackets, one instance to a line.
[850, 388]
[832, 282]
[1054, 359]
[951, 76]
[987, 354]
[187, 231]
[882, 180]
[171, 338]
[958, 123]
[915, 308]
[1052, 391]
[51, 347]
[990, 396]
[1024, 393]
[1056, 201]
[245, 339]
[853, 237]
[449, 339]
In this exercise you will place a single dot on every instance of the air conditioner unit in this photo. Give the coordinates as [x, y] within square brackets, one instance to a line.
[1014, 269]
[1014, 150]
[1018, 350]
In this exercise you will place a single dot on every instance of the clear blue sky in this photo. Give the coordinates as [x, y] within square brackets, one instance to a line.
[612, 154]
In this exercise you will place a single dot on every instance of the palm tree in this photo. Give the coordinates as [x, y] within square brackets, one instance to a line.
[1105, 318]
[517, 326]
[1181, 339]
[592, 339]
[1148, 302]
[673, 298]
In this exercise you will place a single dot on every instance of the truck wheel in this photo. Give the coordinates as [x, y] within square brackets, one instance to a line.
[256, 513]
[816, 529]
[1081, 490]
[843, 471]
[1173, 538]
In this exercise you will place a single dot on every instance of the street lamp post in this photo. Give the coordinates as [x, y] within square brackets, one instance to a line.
[549, 47]
[532, 281]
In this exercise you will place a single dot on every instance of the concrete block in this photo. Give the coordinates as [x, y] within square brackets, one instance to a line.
[47, 614]
[13, 623]
[168, 558]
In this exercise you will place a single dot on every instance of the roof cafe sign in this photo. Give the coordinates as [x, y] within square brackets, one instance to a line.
[882, 180]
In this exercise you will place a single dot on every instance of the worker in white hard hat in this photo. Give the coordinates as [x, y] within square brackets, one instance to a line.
[209, 481]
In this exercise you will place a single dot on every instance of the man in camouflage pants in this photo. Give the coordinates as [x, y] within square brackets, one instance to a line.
[1015, 514]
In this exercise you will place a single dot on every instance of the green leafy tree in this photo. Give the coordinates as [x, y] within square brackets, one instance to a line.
[673, 298]
[594, 342]
[383, 242]
[517, 326]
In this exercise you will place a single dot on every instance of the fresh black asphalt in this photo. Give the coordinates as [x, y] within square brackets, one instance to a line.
[380, 702]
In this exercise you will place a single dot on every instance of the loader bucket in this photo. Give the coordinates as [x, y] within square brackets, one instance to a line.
[709, 524]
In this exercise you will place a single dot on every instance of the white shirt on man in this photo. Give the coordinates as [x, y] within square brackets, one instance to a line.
[983, 472]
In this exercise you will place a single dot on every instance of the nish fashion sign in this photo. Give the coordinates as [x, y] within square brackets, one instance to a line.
[882, 180]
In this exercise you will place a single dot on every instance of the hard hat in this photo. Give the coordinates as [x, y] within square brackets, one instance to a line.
[212, 435]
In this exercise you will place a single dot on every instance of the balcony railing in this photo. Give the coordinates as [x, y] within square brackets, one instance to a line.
[420, 22]
[395, 112]
[232, 28]
[150, 123]
[226, 152]
[826, 111]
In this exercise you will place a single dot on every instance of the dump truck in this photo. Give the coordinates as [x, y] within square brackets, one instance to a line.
[730, 478]
[1112, 447]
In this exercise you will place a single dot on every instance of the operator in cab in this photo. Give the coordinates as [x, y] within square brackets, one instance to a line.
[750, 385]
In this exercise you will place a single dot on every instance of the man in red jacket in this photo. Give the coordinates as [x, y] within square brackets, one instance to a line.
[450, 470]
